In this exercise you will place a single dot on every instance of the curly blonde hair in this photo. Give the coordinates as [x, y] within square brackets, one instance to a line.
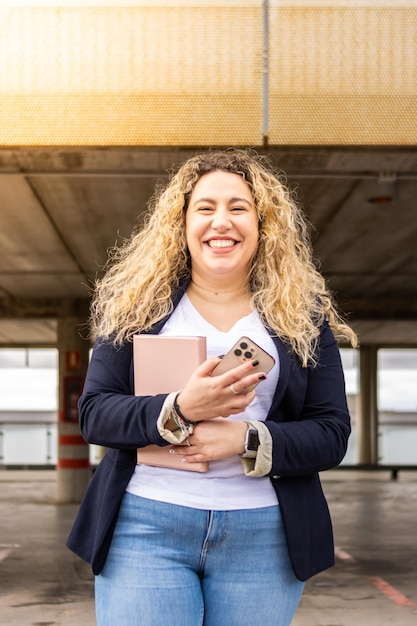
[146, 270]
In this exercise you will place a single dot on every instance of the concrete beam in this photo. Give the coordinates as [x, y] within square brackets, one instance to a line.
[47, 308]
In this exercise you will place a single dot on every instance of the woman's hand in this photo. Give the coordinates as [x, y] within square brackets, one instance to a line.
[214, 440]
[205, 397]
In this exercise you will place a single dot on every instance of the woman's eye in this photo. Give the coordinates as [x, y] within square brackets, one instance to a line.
[238, 209]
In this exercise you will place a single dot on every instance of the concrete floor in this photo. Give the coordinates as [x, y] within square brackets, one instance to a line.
[372, 584]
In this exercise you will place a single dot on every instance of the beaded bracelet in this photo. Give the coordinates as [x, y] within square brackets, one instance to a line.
[182, 417]
[186, 426]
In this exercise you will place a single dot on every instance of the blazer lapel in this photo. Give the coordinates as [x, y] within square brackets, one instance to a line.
[284, 369]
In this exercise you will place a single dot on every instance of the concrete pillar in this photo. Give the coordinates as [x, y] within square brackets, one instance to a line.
[368, 413]
[73, 466]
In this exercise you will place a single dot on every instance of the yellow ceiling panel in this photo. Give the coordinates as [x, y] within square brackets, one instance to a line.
[201, 72]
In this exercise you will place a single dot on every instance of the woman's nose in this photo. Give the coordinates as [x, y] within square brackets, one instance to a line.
[221, 220]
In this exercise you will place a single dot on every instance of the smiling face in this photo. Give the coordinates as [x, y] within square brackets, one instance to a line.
[221, 227]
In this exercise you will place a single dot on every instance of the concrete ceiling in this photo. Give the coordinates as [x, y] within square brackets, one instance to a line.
[61, 209]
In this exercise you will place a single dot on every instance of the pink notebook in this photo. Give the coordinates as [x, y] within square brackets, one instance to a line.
[163, 364]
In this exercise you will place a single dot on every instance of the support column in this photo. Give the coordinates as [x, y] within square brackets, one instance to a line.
[368, 414]
[73, 466]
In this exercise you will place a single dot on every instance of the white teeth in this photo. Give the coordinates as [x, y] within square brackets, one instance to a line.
[221, 243]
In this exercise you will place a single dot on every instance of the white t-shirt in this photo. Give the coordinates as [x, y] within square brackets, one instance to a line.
[224, 486]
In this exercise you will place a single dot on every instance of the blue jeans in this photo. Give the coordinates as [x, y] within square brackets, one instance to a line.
[171, 565]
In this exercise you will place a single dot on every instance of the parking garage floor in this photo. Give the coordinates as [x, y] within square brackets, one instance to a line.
[374, 582]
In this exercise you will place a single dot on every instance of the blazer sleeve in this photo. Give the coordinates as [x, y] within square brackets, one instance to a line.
[310, 425]
[110, 414]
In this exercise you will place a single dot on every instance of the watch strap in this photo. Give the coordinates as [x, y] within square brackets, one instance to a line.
[251, 443]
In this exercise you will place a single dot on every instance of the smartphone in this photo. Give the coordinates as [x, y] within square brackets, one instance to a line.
[245, 350]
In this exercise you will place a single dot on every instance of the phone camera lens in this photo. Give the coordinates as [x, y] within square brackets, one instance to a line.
[238, 352]
[248, 355]
[243, 345]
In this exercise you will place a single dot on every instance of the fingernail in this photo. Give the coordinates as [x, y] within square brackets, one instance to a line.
[262, 377]
[255, 363]
[220, 356]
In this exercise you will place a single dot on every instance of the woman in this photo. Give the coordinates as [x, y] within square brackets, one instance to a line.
[224, 253]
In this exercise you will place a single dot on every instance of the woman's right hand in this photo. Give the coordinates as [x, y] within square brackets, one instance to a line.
[205, 397]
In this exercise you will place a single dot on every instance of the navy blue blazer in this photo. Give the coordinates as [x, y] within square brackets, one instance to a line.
[308, 420]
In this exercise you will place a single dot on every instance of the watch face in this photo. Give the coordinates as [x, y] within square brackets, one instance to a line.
[253, 440]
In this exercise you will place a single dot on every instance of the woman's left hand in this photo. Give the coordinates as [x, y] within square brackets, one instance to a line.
[212, 440]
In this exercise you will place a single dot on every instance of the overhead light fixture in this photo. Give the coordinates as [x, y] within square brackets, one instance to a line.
[384, 189]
